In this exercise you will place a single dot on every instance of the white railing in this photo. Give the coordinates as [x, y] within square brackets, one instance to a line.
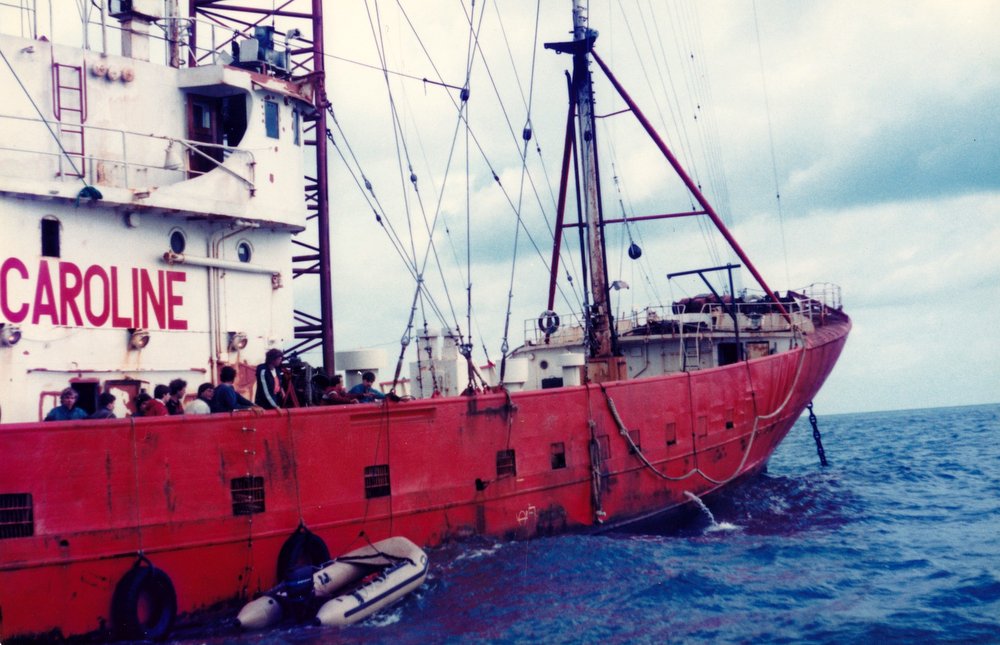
[809, 306]
[121, 159]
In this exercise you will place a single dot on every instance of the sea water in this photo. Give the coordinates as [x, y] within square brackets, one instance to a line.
[897, 540]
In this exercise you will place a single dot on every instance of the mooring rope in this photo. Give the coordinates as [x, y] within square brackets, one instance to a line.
[624, 432]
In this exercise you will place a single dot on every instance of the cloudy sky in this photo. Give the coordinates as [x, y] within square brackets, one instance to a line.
[877, 123]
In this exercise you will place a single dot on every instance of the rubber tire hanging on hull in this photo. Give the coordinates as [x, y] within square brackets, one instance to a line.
[148, 590]
[303, 547]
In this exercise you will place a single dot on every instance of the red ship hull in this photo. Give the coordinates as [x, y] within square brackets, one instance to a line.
[103, 492]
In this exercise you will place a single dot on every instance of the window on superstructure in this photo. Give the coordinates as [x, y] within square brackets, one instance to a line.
[271, 119]
[50, 237]
[234, 119]
[296, 127]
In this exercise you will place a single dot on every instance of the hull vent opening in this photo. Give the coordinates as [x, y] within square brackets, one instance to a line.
[17, 516]
[558, 455]
[506, 463]
[377, 481]
[248, 495]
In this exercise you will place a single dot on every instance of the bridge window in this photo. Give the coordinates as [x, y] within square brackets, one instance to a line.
[271, 119]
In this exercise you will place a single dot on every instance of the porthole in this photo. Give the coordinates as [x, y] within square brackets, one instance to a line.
[178, 242]
[244, 251]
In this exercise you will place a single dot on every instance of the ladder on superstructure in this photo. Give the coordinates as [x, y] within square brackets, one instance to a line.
[69, 106]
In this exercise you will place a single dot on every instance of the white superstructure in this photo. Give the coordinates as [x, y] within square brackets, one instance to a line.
[183, 263]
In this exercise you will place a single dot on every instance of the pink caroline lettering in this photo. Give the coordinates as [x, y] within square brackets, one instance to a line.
[63, 293]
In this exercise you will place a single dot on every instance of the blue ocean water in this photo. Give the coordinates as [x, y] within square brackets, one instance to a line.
[897, 540]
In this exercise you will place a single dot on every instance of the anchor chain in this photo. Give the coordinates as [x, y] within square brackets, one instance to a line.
[819, 441]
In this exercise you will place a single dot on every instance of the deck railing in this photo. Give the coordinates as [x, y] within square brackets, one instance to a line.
[115, 157]
[808, 308]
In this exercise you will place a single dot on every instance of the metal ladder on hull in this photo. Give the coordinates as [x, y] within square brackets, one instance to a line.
[69, 105]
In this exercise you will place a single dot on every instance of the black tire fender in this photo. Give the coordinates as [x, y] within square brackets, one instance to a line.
[144, 604]
[302, 548]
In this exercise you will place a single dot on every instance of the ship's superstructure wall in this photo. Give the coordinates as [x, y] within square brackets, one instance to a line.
[140, 201]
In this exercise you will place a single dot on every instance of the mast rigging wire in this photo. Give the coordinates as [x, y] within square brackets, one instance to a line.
[770, 140]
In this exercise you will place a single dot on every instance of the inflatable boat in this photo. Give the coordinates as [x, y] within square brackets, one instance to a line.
[353, 586]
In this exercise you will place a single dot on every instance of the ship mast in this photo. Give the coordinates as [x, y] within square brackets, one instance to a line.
[600, 324]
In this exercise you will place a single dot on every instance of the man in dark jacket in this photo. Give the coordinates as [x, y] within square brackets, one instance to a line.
[226, 398]
[67, 410]
[269, 393]
[105, 407]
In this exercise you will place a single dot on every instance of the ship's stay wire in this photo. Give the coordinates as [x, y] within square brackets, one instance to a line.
[514, 137]
[381, 214]
[462, 110]
[403, 154]
[675, 110]
[504, 347]
[770, 139]
[87, 187]
[692, 106]
[569, 266]
[493, 172]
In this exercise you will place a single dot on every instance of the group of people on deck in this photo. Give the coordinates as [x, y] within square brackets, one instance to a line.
[169, 399]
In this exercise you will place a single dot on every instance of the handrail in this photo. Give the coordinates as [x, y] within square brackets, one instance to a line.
[197, 147]
[813, 303]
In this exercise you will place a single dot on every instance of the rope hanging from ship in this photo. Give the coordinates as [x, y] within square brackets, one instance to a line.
[636, 450]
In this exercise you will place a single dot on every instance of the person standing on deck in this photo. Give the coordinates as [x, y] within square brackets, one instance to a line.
[178, 388]
[269, 393]
[226, 398]
[157, 406]
[66, 410]
[335, 394]
[202, 404]
[105, 407]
